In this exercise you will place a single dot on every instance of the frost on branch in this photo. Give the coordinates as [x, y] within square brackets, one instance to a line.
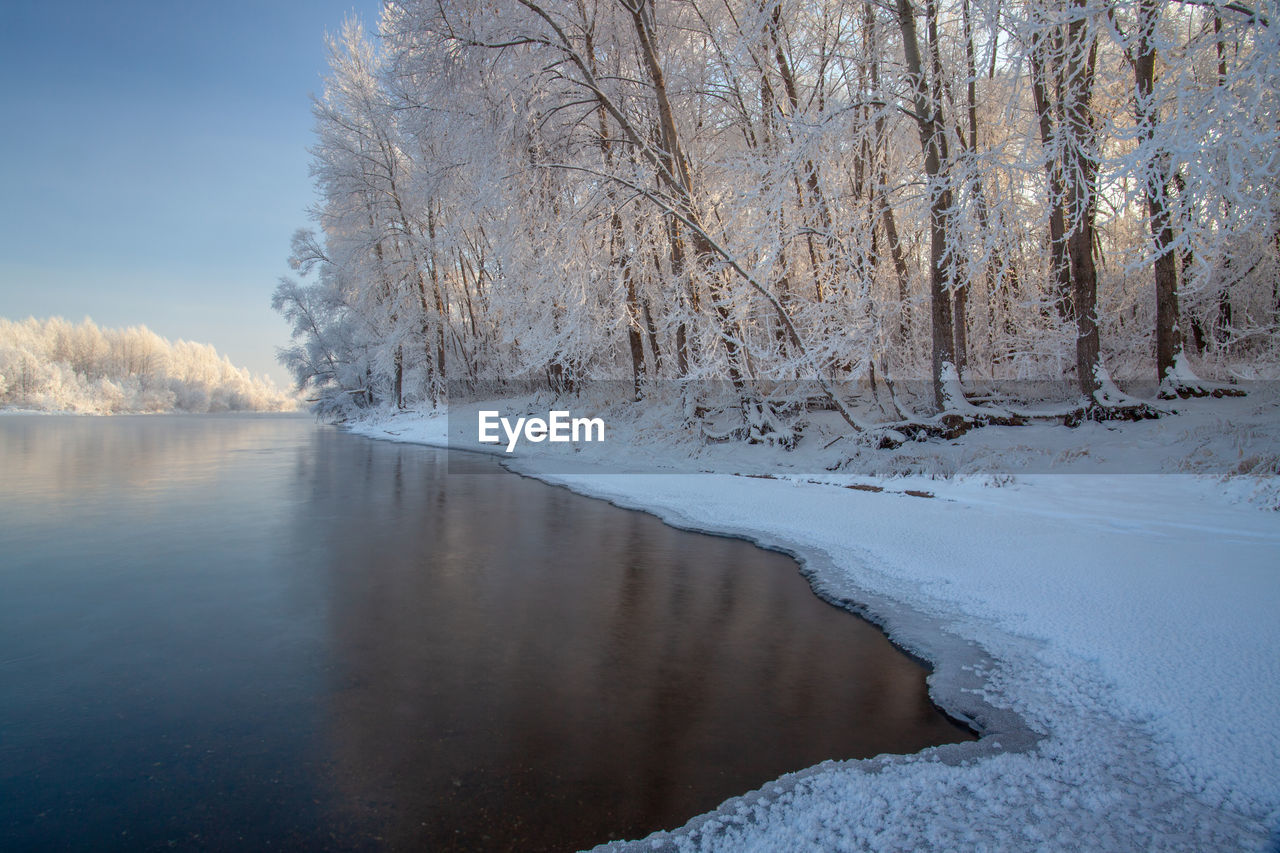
[961, 193]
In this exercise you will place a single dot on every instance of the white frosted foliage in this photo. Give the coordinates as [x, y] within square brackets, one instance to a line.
[54, 366]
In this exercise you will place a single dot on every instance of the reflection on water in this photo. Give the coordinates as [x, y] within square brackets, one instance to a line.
[252, 631]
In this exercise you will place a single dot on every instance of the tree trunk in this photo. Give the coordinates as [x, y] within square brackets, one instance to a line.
[1168, 334]
[929, 125]
[1060, 267]
[1224, 296]
[441, 372]
[685, 294]
[634, 341]
[1081, 171]
[652, 329]
[902, 332]
[399, 378]
[678, 181]
[619, 256]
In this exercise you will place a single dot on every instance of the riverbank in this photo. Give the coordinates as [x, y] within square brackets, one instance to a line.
[1113, 632]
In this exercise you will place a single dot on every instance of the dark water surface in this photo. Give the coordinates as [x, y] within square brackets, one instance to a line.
[256, 632]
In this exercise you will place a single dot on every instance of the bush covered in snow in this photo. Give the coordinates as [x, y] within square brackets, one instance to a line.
[52, 365]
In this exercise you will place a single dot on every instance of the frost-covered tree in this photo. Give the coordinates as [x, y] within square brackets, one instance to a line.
[784, 194]
[52, 365]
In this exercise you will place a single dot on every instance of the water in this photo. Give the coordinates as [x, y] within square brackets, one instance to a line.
[253, 632]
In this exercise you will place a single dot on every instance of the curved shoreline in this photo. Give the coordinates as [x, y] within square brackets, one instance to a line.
[1041, 741]
[954, 683]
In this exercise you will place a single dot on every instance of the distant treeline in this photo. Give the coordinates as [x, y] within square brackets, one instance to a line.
[53, 365]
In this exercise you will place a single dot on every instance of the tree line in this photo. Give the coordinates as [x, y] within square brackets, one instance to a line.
[54, 365]
[767, 191]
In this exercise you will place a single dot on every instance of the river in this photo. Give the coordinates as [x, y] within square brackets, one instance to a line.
[239, 632]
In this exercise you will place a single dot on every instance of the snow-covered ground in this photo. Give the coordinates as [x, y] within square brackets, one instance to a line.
[1115, 635]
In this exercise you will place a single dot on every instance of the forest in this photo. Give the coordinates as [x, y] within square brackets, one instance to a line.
[801, 201]
[56, 366]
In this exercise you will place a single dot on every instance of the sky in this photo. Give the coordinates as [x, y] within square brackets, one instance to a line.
[153, 162]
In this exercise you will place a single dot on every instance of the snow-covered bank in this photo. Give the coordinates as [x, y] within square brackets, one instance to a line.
[1129, 620]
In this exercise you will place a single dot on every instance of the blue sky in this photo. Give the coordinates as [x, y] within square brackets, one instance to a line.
[153, 162]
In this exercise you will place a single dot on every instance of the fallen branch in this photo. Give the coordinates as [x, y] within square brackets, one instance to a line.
[1187, 390]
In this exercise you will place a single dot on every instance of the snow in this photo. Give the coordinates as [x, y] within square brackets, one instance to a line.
[54, 367]
[1115, 635]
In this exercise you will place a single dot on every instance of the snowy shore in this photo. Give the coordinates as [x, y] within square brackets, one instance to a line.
[1115, 636]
